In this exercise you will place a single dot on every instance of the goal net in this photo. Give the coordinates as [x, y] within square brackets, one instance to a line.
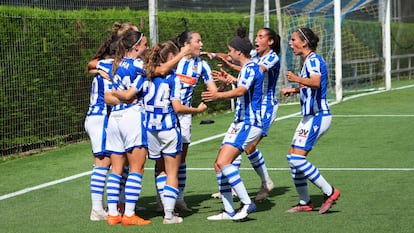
[362, 40]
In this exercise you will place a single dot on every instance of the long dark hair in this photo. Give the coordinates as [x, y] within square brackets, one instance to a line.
[241, 42]
[183, 37]
[127, 41]
[276, 39]
[306, 34]
[108, 47]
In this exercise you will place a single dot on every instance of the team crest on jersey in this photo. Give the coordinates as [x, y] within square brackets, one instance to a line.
[313, 62]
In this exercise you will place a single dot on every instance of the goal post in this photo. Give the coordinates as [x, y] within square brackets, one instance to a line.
[338, 51]
[386, 28]
[354, 41]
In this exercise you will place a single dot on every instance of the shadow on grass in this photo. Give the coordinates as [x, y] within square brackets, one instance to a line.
[269, 202]
[150, 205]
[204, 203]
[317, 201]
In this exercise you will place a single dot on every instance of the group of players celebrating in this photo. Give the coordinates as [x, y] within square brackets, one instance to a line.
[141, 107]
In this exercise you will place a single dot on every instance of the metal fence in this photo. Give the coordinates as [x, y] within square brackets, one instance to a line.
[53, 50]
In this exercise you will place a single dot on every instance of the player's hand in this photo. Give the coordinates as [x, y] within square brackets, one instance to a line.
[225, 60]
[202, 107]
[209, 96]
[209, 55]
[104, 75]
[291, 77]
[218, 75]
[186, 50]
[222, 76]
[288, 91]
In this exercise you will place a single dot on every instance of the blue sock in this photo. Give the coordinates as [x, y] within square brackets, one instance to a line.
[182, 179]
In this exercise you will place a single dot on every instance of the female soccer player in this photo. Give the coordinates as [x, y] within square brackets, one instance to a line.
[267, 48]
[313, 87]
[245, 129]
[95, 126]
[190, 70]
[126, 133]
[97, 117]
[162, 102]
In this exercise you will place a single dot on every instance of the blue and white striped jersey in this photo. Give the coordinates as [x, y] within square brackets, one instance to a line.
[190, 71]
[128, 70]
[158, 94]
[272, 64]
[249, 105]
[100, 85]
[313, 100]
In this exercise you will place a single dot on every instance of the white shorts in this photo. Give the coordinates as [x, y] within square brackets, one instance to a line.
[269, 114]
[95, 127]
[309, 130]
[241, 135]
[185, 125]
[164, 143]
[126, 130]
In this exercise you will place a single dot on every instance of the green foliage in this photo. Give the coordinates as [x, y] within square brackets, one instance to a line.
[358, 38]
[402, 38]
[44, 90]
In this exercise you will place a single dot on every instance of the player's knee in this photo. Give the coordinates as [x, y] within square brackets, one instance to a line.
[219, 164]
[216, 167]
[251, 149]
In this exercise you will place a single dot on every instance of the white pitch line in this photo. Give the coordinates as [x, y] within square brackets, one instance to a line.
[374, 115]
[26, 190]
[223, 134]
[322, 169]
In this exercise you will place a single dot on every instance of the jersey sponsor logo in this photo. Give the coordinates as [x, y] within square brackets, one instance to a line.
[303, 133]
[234, 130]
[187, 79]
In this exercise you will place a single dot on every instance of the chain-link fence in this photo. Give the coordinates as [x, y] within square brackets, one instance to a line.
[46, 44]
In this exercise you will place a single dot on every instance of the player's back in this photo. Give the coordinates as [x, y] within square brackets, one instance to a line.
[158, 94]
